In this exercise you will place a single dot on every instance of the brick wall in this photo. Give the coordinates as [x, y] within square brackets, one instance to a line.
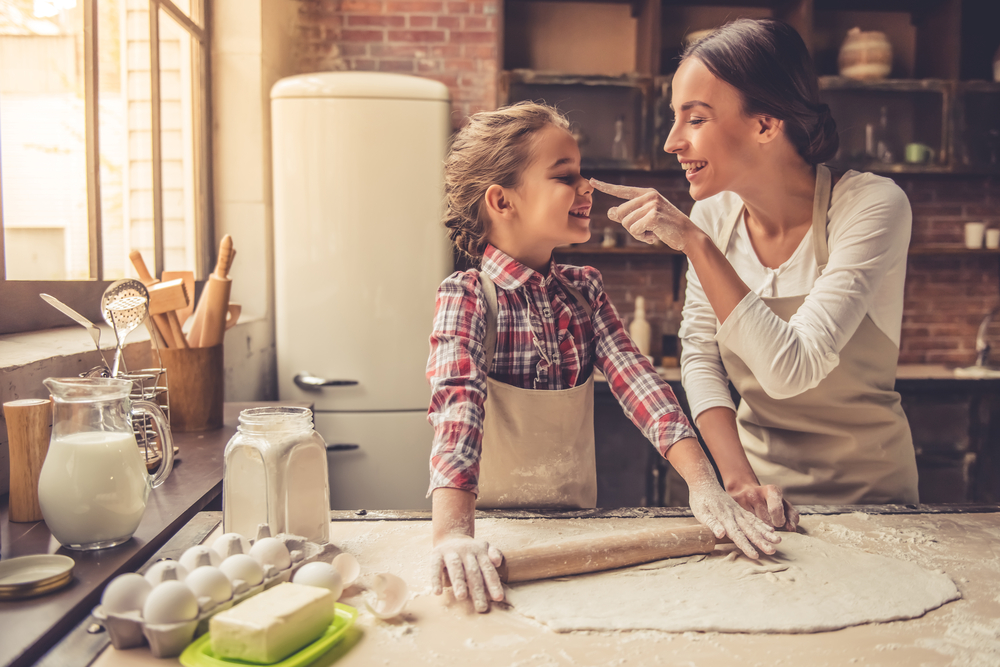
[456, 42]
[451, 41]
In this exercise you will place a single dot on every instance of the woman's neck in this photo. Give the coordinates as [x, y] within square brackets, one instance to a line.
[780, 199]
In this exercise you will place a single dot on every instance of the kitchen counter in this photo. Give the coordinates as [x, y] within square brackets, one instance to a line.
[439, 631]
[31, 626]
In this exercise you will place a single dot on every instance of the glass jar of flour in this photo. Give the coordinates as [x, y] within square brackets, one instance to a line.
[275, 473]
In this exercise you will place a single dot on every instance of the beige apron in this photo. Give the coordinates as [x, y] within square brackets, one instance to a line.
[538, 445]
[845, 441]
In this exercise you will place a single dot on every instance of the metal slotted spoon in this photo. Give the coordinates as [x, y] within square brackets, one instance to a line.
[124, 305]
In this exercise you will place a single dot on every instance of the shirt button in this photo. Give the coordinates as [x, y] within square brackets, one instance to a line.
[546, 312]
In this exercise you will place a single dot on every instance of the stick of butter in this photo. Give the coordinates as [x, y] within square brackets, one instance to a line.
[271, 625]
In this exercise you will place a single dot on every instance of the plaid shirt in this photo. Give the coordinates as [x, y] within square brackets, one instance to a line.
[545, 340]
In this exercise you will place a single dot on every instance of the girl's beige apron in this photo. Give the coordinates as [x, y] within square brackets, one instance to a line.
[538, 445]
[845, 441]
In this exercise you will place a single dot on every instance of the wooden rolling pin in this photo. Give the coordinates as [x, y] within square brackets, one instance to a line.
[602, 551]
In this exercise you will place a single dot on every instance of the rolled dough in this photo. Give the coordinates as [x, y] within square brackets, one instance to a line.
[807, 586]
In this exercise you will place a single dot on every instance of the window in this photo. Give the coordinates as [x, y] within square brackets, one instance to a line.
[104, 148]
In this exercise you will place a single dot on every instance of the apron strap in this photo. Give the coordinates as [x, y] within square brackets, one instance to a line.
[490, 292]
[490, 343]
[821, 208]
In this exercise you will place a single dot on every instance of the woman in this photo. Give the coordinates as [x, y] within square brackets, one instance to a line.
[795, 281]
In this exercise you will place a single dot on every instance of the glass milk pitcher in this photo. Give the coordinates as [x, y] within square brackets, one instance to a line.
[93, 485]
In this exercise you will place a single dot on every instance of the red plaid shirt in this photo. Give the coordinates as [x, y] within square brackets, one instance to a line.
[545, 340]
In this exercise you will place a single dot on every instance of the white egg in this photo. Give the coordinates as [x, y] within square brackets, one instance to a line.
[271, 551]
[125, 593]
[165, 570]
[391, 594]
[241, 567]
[348, 567]
[322, 575]
[170, 602]
[228, 544]
[200, 555]
[210, 582]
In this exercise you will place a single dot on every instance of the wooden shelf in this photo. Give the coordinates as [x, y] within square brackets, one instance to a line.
[950, 249]
[619, 251]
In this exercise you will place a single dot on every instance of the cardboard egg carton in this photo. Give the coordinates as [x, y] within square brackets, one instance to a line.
[166, 640]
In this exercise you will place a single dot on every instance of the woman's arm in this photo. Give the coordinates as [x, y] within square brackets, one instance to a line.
[869, 234]
[718, 429]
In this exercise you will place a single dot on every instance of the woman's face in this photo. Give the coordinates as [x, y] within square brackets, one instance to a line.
[713, 139]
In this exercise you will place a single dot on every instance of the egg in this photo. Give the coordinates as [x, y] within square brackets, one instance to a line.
[391, 594]
[200, 555]
[241, 567]
[170, 602]
[322, 575]
[228, 544]
[348, 567]
[165, 570]
[209, 582]
[271, 551]
[125, 593]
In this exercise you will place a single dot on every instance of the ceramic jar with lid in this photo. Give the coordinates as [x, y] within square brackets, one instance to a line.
[865, 55]
[275, 473]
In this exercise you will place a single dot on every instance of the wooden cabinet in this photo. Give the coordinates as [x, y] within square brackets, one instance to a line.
[607, 65]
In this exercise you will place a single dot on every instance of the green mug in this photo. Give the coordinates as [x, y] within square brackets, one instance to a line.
[919, 153]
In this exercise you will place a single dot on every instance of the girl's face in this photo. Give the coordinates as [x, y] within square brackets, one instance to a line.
[714, 140]
[553, 200]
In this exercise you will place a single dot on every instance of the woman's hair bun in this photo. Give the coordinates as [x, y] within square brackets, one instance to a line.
[824, 140]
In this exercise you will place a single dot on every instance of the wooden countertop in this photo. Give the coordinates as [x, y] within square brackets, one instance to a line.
[440, 631]
[31, 626]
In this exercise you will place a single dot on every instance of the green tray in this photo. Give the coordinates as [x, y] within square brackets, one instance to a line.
[199, 652]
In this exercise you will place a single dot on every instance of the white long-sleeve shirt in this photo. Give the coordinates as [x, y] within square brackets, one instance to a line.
[868, 237]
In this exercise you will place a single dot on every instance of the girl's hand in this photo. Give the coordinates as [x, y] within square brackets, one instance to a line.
[768, 504]
[471, 565]
[716, 510]
[648, 215]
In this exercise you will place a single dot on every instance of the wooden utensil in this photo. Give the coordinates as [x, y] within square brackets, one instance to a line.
[29, 427]
[161, 324]
[188, 278]
[165, 296]
[216, 297]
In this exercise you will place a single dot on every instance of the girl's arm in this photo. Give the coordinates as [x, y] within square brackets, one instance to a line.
[470, 563]
[457, 374]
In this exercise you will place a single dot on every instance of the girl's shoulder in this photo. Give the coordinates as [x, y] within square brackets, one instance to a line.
[586, 279]
[461, 284]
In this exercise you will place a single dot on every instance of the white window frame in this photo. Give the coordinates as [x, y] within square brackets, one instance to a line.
[21, 309]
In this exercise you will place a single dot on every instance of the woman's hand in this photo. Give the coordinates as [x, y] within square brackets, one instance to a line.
[768, 504]
[471, 565]
[648, 215]
[716, 510]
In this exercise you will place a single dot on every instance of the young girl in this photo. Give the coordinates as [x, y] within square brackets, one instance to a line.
[513, 350]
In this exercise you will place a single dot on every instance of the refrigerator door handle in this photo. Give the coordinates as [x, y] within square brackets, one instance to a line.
[342, 447]
[309, 382]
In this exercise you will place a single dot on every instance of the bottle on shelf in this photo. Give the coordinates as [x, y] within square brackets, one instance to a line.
[619, 149]
[671, 344]
[639, 330]
[877, 139]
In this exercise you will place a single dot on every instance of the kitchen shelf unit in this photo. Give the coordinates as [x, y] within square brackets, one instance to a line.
[929, 103]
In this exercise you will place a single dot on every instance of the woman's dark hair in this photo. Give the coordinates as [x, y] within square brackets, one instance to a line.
[768, 63]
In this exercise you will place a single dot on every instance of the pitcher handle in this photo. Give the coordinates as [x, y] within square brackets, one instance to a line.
[166, 440]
